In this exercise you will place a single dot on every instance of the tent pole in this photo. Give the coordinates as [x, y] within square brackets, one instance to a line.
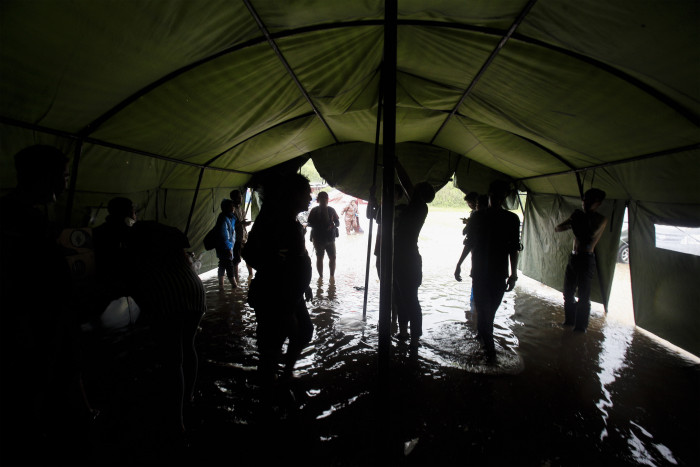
[373, 190]
[194, 200]
[72, 184]
[387, 247]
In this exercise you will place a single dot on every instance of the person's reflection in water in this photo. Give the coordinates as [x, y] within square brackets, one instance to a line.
[330, 291]
[276, 249]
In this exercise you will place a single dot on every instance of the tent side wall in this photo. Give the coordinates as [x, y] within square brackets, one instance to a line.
[161, 190]
[546, 253]
[665, 288]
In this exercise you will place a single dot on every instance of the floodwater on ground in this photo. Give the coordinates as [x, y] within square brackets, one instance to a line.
[612, 396]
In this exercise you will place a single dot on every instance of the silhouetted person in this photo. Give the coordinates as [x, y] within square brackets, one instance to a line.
[172, 301]
[408, 264]
[40, 395]
[375, 209]
[240, 227]
[475, 202]
[324, 221]
[588, 226]
[225, 240]
[276, 249]
[109, 241]
[493, 238]
[471, 199]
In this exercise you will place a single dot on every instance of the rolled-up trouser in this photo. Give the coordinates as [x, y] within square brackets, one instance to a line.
[226, 267]
[578, 276]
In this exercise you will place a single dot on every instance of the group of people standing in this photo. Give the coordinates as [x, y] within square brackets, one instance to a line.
[492, 237]
[148, 261]
[231, 234]
[44, 356]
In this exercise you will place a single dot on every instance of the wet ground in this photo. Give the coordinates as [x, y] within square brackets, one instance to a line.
[612, 396]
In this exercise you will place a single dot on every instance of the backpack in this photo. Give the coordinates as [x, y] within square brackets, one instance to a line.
[210, 239]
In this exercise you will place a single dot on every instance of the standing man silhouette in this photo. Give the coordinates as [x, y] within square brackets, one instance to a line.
[493, 238]
[324, 221]
[588, 226]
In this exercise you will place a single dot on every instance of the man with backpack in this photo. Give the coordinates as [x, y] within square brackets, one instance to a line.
[324, 223]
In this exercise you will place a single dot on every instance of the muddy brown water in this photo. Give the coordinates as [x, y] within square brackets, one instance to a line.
[612, 396]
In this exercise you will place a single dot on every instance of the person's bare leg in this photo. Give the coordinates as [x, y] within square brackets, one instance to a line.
[331, 265]
[319, 265]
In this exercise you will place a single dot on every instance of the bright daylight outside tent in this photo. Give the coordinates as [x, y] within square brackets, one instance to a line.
[173, 103]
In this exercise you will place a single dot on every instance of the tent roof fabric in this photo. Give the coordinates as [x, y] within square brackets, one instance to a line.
[527, 89]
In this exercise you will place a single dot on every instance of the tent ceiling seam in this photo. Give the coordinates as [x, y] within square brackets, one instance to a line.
[95, 124]
[485, 66]
[287, 66]
[97, 142]
[626, 77]
[666, 152]
[298, 117]
[528, 140]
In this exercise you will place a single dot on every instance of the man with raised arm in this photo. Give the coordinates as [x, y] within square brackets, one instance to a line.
[588, 226]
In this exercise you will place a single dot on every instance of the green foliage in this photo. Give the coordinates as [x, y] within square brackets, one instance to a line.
[309, 171]
[449, 197]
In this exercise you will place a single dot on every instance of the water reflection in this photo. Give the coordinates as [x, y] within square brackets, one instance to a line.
[552, 398]
[616, 341]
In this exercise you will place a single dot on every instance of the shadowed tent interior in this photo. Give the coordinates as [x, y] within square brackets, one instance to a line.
[173, 103]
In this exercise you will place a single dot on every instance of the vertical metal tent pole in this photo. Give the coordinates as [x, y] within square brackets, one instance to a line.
[68, 221]
[372, 195]
[387, 247]
[194, 200]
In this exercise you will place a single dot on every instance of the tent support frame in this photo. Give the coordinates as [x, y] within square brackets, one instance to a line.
[373, 191]
[389, 149]
[486, 65]
[194, 200]
[73, 183]
[666, 152]
[287, 67]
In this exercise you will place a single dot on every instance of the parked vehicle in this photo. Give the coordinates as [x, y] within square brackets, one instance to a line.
[668, 237]
[623, 251]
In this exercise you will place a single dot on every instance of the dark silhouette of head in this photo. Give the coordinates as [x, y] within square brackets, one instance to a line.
[152, 241]
[236, 197]
[498, 192]
[226, 205]
[42, 172]
[472, 198]
[592, 199]
[290, 193]
[322, 198]
[120, 208]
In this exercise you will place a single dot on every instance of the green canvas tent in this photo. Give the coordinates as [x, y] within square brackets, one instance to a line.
[174, 102]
